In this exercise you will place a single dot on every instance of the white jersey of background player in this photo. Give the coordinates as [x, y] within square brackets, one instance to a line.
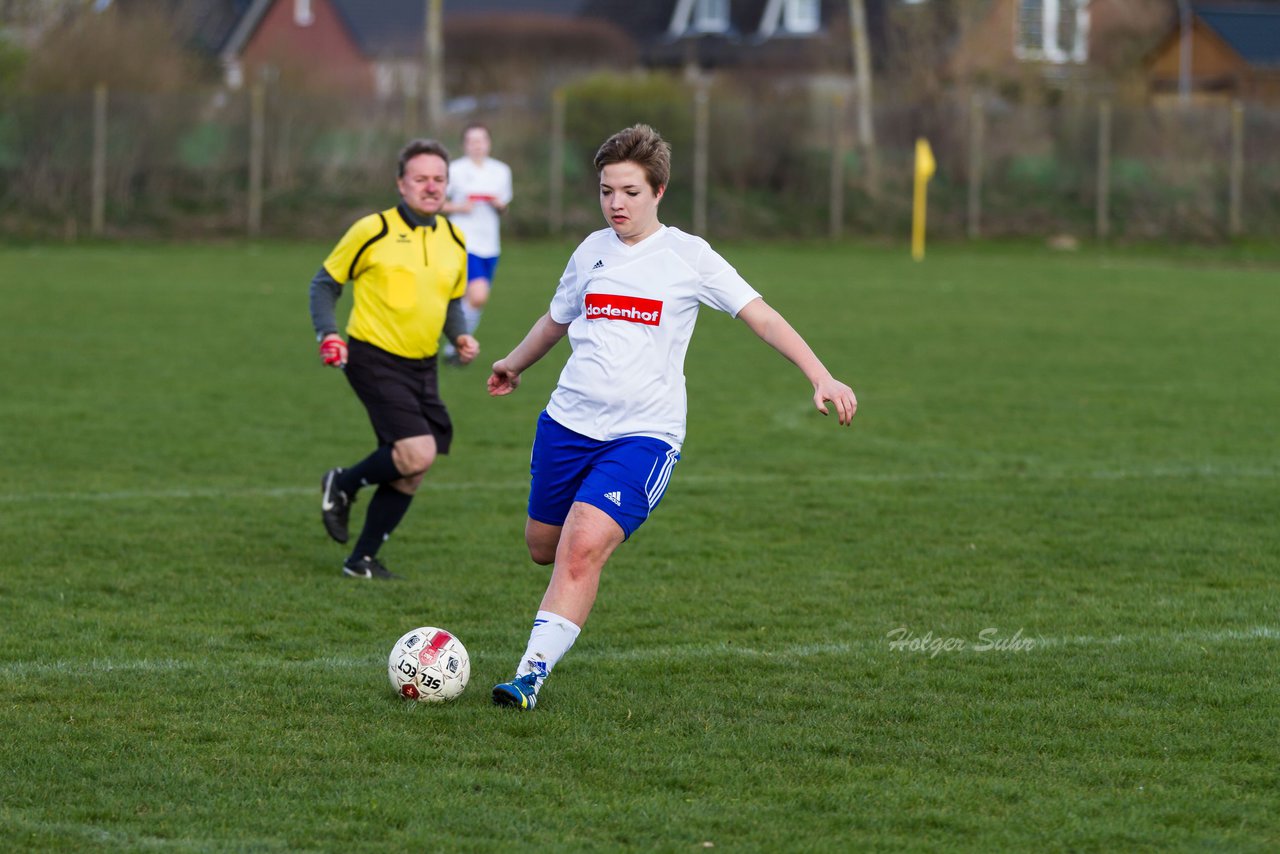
[606, 446]
[479, 193]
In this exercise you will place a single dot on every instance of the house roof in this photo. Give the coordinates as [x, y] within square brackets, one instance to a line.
[384, 27]
[753, 25]
[1251, 29]
[205, 24]
[394, 27]
[559, 8]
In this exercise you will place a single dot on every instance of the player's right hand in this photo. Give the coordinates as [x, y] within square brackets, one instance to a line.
[468, 348]
[503, 380]
[333, 351]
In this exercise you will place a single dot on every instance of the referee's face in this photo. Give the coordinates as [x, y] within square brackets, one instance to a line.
[422, 186]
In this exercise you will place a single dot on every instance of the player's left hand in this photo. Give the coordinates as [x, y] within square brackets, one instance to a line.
[468, 348]
[840, 395]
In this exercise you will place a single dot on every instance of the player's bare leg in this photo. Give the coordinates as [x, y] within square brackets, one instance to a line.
[583, 546]
[477, 297]
[589, 537]
[542, 540]
[478, 294]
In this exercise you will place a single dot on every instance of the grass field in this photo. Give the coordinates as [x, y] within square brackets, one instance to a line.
[1029, 601]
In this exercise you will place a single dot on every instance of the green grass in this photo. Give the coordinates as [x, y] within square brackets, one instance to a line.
[1077, 448]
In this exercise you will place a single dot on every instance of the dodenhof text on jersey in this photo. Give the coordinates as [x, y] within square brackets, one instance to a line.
[617, 307]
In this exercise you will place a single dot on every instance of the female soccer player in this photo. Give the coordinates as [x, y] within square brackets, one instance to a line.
[610, 436]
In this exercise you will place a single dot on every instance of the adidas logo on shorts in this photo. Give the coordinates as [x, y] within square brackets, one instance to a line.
[615, 497]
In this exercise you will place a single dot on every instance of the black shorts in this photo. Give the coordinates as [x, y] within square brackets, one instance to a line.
[402, 396]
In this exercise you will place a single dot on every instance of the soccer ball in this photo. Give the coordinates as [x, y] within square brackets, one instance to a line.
[429, 665]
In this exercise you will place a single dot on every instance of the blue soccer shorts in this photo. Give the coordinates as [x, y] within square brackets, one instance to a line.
[481, 268]
[626, 477]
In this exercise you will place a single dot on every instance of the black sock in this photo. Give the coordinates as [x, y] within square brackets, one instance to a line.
[378, 467]
[385, 512]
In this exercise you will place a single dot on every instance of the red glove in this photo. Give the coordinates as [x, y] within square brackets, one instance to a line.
[333, 351]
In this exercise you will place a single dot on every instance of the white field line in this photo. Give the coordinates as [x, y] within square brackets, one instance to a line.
[520, 483]
[123, 840]
[88, 667]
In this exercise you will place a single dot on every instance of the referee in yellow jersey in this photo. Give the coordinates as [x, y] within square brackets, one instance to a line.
[408, 269]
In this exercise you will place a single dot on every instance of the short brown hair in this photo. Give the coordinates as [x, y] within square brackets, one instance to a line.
[642, 145]
[421, 146]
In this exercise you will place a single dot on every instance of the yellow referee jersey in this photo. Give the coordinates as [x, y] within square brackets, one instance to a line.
[404, 277]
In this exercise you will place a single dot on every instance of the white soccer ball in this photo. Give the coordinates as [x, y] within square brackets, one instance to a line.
[429, 665]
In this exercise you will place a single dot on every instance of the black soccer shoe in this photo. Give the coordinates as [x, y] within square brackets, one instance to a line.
[335, 506]
[367, 567]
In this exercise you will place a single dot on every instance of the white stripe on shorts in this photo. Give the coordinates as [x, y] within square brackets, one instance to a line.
[655, 487]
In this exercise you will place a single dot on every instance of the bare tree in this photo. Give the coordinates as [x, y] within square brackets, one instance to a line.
[861, 50]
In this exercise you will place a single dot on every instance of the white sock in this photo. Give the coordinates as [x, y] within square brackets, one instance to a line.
[472, 316]
[550, 639]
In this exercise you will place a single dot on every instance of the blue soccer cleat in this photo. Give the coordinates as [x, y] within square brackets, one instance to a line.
[519, 693]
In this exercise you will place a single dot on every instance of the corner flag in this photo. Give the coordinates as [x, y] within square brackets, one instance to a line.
[925, 167]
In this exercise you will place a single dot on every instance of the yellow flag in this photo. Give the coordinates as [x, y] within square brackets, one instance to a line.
[925, 167]
[924, 160]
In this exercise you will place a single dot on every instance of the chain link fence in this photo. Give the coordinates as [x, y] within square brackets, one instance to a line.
[215, 164]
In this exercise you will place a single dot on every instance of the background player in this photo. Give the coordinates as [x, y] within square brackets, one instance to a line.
[479, 193]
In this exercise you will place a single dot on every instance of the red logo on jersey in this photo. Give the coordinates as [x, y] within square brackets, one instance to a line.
[614, 307]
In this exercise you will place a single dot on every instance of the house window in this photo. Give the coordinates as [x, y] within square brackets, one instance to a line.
[303, 14]
[800, 16]
[1028, 31]
[711, 16]
[1052, 30]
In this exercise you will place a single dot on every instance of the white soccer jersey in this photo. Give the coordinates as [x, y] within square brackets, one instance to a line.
[631, 312]
[491, 180]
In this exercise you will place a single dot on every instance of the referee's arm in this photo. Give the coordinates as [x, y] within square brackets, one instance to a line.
[455, 322]
[325, 292]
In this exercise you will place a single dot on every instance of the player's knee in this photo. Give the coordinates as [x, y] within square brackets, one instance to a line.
[579, 565]
[478, 293]
[413, 459]
[541, 554]
[417, 465]
[542, 540]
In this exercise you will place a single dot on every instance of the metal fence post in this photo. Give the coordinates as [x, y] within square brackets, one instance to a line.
[837, 166]
[257, 140]
[977, 139]
[555, 194]
[98, 217]
[701, 139]
[1103, 223]
[1235, 218]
